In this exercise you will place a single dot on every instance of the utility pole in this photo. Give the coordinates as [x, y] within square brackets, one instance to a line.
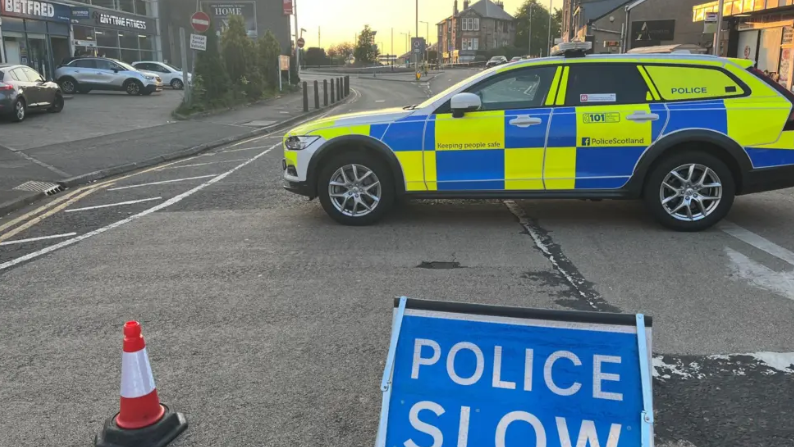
[550, 14]
[529, 45]
[392, 49]
[319, 38]
[416, 57]
[718, 32]
[297, 32]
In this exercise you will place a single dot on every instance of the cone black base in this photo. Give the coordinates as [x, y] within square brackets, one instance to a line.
[157, 435]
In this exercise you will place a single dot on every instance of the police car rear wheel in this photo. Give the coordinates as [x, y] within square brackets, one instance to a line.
[690, 191]
[356, 189]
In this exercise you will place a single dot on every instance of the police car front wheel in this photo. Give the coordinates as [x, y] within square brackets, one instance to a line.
[356, 189]
[690, 191]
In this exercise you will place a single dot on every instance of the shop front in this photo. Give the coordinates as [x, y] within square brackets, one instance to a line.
[35, 33]
[113, 34]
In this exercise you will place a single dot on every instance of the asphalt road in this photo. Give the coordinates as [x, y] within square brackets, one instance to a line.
[267, 324]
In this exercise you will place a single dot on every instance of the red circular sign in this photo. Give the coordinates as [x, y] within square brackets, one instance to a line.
[301, 42]
[200, 21]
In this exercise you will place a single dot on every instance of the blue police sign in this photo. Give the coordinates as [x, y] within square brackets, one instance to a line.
[469, 375]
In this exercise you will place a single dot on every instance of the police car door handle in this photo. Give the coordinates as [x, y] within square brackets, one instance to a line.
[643, 116]
[525, 121]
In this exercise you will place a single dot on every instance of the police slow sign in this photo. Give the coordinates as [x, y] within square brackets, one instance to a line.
[469, 375]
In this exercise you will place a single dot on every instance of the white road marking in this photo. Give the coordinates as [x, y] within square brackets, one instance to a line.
[242, 149]
[34, 239]
[202, 164]
[163, 182]
[781, 283]
[380, 100]
[734, 364]
[131, 202]
[757, 241]
[166, 204]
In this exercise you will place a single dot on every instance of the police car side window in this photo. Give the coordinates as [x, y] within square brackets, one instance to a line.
[518, 89]
[604, 84]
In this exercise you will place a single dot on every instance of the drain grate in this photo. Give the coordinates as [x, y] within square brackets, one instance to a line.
[439, 265]
[45, 187]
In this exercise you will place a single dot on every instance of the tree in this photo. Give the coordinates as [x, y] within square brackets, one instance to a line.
[240, 56]
[540, 27]
[366, 51]
[211, 70]
[269, 51]
[315, 56]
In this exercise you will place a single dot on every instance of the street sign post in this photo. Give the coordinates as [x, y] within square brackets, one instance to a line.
[474, 375]
[200, 21]
[301, 42]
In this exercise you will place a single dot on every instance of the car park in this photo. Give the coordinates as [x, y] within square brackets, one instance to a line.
[684, 133]
[170, 74]
[23, 89]
[496, 60]
[84, 74]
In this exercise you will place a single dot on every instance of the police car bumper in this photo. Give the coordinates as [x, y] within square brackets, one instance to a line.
[291, 181]
[768, 179]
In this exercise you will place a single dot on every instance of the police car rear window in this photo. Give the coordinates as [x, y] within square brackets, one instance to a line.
[780, 89]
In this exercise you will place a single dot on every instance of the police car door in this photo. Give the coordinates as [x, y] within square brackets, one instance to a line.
[605, 125]
[499, 147]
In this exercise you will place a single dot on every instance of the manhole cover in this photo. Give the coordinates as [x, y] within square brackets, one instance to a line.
[45, 187]
[439, 265]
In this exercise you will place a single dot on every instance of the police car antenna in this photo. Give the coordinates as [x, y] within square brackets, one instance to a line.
[572, 49]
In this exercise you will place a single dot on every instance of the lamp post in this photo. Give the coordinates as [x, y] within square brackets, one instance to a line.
[718, 32]
[529, 45]
[427, 30]
[550, 13]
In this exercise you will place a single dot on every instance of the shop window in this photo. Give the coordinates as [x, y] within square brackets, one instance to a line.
[129, 56]
[105, 3]
[147, 56]
[83, 32]
[688, 83]
[126, 5]
[107, 38]
[140, 7]
[112, 53]
[128, 39]
[146, 42]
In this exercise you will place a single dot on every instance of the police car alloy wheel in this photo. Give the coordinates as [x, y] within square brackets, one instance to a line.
[356, 189]
[690, 191]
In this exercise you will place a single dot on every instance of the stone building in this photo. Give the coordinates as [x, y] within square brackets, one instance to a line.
[481, 26]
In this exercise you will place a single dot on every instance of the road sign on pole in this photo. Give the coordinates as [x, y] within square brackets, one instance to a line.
[200, 21]
[198, 42]
[516, 377]
[301, 42]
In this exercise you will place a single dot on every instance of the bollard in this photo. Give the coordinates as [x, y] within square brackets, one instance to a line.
[305, 96]
[325, 92]
[316, 95]
[333, 97]
[339, 88]
[347, 85]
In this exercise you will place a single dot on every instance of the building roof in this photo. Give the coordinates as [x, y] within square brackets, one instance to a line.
[490, 10]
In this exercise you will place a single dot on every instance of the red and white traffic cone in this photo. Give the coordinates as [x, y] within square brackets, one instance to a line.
[142, 420]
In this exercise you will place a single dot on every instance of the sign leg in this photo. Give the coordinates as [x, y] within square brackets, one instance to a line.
[647, 392]
[385, 384]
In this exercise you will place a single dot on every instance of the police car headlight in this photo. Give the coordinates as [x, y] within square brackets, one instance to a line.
[300, 143]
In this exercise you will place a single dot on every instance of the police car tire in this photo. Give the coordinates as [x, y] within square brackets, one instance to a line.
[379, 168]
[667, 164]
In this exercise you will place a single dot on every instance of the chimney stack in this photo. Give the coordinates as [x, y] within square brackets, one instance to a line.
[455, 9]
[500, 4]
[465, 4]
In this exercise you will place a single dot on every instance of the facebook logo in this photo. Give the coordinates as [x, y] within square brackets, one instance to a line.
[585, 141]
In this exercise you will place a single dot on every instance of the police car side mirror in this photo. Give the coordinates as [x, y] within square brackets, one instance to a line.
[464, 102]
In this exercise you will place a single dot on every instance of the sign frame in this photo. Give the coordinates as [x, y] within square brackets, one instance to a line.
[198, 42]
[640, 321]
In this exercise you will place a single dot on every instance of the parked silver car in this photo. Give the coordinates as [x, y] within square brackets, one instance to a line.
[84, 74]
[22, 89]
[170, 74]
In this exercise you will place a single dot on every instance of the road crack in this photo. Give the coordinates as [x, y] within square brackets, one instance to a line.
[583, 294]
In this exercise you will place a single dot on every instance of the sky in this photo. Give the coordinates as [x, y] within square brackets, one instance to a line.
[340, 20]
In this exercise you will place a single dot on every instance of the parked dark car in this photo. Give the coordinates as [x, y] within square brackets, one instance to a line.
[23, 89]
[496, 60]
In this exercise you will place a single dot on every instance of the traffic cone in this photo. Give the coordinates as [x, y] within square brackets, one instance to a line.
[142, 419]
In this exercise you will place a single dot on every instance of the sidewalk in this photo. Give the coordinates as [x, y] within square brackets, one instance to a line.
[82, 161]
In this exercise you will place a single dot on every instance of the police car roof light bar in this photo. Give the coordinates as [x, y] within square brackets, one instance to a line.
[571, 49]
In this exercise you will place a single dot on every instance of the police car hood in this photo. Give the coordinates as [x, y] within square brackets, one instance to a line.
[352, 119]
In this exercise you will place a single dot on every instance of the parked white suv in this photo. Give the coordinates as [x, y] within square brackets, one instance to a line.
[84, 74]
[171, 75]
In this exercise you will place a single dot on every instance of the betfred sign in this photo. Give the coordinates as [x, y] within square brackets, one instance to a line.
[288, 8]
[32, 9]
[471, 375]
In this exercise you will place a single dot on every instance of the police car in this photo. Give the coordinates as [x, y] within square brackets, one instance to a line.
[684, 133]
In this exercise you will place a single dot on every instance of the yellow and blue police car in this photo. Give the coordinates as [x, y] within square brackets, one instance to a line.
[685, 133]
